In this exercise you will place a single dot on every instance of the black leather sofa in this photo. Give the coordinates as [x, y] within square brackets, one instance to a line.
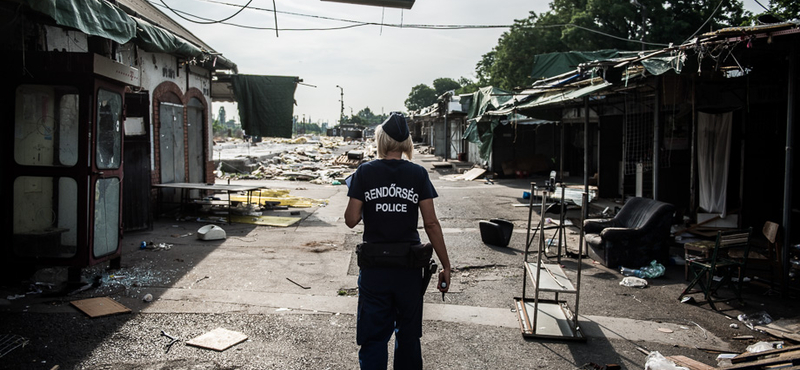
[638, 234]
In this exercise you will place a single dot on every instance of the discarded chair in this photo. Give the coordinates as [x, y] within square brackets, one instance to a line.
[719, 263]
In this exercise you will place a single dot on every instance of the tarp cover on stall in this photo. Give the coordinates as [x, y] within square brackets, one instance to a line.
[266, 104]
[92, 17]
[482, 131]
[156, 40]
[554, 64]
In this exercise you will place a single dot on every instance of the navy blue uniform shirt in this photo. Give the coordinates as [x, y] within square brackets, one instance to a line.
[391, 190]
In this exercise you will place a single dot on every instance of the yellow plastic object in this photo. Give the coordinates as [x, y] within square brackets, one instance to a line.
[282, 196]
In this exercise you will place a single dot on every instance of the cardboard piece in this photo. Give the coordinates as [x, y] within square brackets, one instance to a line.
[100, 306]
[218, 339]
[265, 220]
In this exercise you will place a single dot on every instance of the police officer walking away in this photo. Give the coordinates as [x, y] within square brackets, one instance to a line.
[389, 194]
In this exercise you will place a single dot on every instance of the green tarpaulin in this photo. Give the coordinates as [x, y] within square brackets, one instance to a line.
[156, 40]
[481, 131]
[554, 64]
[266, 104]
[92, 17]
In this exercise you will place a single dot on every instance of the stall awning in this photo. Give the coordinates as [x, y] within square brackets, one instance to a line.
[552, 97]
[95, 18]
[157, 40]
[554, 64]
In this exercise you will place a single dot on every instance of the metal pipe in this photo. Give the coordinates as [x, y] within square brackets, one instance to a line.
[788, 170]
[656, 137]
[693, 155]
[586, 150]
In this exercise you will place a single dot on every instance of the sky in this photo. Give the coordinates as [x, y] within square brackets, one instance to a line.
[375, 66]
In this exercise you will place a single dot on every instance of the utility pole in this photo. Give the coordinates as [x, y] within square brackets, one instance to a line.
[341, 100]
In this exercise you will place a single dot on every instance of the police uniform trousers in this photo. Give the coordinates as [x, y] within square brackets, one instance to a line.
[389, 301]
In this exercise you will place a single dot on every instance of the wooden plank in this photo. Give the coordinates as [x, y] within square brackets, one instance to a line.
[218, 339]
[689, 363]
[789, 358]
[752, 356]
[100, 306]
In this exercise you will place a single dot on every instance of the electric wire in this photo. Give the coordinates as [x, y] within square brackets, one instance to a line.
[704, 23]
[355, 24]
[208, 22]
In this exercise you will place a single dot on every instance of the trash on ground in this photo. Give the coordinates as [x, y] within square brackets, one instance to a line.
[633, 282]
[783, 328]
[211, 232]
[764, 346]
[755, 319]
[656, 361]
[651, 271]
[10, 342]
[218, 339]
[100, 306]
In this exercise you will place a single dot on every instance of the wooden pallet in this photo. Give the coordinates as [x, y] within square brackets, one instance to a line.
[783, 357]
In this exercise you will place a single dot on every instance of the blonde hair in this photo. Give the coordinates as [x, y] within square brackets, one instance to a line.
[386, 144]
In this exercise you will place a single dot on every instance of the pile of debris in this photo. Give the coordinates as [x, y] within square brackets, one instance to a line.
[311, 160]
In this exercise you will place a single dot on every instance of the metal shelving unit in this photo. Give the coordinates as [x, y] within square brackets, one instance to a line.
[548, 318]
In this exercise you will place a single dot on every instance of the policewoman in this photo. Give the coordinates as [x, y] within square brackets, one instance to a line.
[388, 194]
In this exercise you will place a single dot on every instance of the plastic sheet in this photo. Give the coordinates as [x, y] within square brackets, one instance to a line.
[657, 361]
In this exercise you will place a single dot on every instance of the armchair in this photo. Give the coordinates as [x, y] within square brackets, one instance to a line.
[635, 236]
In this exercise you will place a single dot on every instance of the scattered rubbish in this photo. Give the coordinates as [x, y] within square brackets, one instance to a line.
[689, 300]
[15, 296]
[734, 326]
[148, 297]
[724, 359]
[211, 232]
[295, 283]
[218, 339]
[651, 271]
[100, 306]
[633, 282]
[172, 340]
[783, 328]
[96, 282]
[785, 357]
[283, 309]
[656, 361]
[763, 346]
[755, 319]
[10, 342]
[665, 330]
[466, 176]
[181, 235]
[159, 246]
[594, 366]
[743, 337]
[265, 220]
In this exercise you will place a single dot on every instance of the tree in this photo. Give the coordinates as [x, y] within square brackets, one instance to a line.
[783, 10]
[467, 86]
[590, 25]
[421, 96]
[443, 85]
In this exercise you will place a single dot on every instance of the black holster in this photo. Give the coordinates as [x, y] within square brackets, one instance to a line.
[398, 255]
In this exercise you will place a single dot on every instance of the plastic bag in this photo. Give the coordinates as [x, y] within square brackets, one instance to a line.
[633, 282]
[764, 346]
[656, 361]
[651, 271]
[755, 319]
